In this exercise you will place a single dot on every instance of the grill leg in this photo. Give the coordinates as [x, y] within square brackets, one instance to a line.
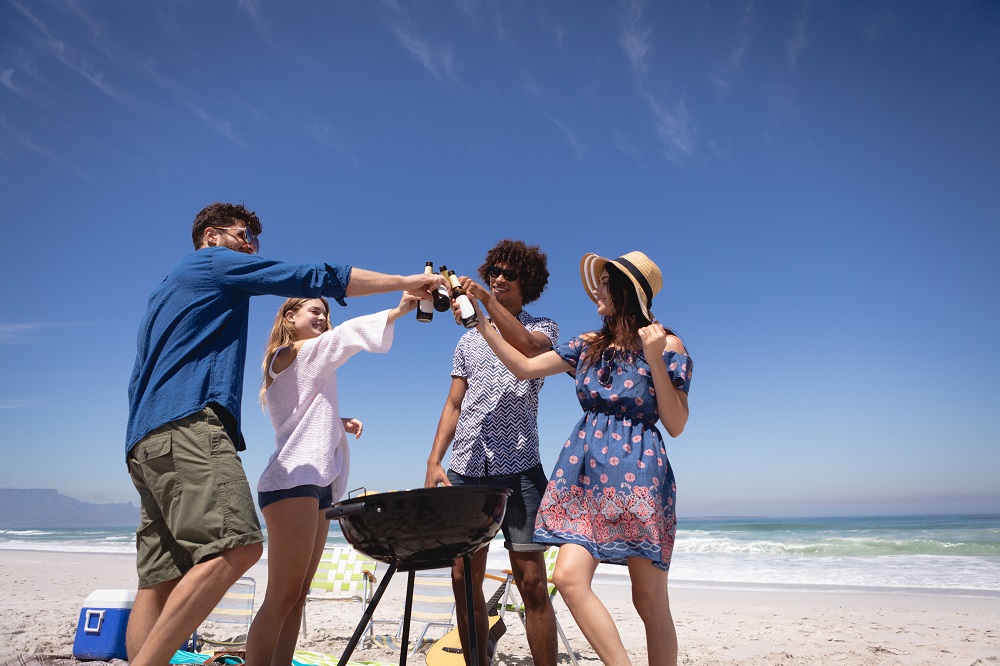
[367, 616]
[470, 612]
[404, 647]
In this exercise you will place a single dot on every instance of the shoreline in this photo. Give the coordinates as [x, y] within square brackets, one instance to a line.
[42, 593]
[622, 580]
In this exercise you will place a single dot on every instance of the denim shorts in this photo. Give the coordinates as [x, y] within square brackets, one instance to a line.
[323, 493]
[522, 505]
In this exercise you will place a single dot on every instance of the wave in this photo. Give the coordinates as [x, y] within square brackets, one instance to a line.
[837, 546]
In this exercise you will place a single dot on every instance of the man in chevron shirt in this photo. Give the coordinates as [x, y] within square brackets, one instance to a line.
[490, 419]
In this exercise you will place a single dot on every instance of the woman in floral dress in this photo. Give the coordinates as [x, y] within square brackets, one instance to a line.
[611, 495]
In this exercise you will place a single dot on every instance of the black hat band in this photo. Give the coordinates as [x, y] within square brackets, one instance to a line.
[639, 277]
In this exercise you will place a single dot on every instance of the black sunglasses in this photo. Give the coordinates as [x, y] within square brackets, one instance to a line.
[249, 237]
[604, 372]
[508, 274]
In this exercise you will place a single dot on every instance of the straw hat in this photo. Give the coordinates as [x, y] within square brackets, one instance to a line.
[640, 269]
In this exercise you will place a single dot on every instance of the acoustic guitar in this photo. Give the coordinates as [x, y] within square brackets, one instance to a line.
[447, 651]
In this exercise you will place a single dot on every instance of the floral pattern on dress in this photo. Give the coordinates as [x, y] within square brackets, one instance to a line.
[612, 490]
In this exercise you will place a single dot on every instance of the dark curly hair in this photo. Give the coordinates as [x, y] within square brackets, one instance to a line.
[530, 262]
[222, 215]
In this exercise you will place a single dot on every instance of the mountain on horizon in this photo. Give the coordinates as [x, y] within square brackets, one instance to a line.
[22, 508]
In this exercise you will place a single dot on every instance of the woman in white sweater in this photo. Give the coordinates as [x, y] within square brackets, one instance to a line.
[307, 472]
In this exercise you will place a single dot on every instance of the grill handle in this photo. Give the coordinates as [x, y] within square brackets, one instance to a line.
[340, 511]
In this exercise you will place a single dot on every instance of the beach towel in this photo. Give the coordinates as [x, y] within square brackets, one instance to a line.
[306, 658]
[301, 658]
[55, 660]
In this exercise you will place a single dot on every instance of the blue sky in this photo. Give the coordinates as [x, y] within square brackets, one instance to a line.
[817, 180]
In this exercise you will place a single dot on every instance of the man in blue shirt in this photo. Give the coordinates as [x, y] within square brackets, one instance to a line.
[198, 528]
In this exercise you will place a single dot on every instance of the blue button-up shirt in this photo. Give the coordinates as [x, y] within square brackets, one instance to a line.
[192, 342]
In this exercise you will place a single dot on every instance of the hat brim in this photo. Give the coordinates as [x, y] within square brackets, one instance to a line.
[591, 268]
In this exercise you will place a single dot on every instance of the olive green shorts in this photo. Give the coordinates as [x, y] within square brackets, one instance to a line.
[195, 501]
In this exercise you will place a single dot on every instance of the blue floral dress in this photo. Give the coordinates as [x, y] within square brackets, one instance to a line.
[612, 490]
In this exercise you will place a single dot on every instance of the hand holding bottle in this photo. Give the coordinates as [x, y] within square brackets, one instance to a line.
[425, 308]
[407, 302]
[476, 291]
[421, 284]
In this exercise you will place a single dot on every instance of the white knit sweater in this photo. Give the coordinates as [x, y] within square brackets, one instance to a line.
[311, 444]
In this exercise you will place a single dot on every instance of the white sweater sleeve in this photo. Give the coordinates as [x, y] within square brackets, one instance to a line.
[321, 356]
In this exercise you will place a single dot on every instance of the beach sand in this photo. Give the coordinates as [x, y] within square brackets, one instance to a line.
[41, 594]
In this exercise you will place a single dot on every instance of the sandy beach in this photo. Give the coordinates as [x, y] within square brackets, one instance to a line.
[41, 594]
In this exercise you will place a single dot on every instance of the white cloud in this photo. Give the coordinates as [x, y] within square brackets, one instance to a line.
[735, 57]
[21, 334]
[796, 43]
[252, 9]
[627, 148]
[674, 129]
[529, 86]
[222, 127]
[20, 404]
[438, 61]
[633, 37]
[578, 150]
[69, 57]
[26, 143]
[330, 137]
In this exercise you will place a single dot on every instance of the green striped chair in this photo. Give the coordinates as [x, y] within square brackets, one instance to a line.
[343, 574]
[234, 612]
[433, 606]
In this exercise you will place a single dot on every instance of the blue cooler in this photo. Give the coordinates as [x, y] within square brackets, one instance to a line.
[100, 633]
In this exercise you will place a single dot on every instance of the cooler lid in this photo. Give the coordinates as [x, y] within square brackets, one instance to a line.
[110, 599]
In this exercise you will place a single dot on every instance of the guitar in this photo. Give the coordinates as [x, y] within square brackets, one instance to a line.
[447, 651]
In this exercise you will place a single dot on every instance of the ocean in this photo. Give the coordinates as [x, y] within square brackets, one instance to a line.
[952, 555]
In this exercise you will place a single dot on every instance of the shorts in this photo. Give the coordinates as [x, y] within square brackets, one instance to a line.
[195, 501]
[322, 493]
[519, 521]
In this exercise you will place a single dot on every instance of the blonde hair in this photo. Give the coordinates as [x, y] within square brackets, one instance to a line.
[283, 334]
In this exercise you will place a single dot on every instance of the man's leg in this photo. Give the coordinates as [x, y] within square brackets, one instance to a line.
[478, 599]
[146, 611]
[198, 531]
[540, 618]
[193, 597]
[527, 562]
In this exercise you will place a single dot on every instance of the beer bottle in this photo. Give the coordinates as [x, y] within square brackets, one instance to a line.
[442, 301]
[425, 310]
[467, 312]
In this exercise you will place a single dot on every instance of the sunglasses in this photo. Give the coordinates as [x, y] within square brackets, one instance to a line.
[604, 373]
[508, 274]
[248, 236]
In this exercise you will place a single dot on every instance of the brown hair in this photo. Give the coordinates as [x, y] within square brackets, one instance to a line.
[621, 327]
[222, 215]
[283, 334]
[530, 263]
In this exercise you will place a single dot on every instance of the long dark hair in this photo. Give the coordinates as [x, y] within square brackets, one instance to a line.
[621, 327]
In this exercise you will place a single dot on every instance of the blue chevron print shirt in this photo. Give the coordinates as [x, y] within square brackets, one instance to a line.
[497, 431]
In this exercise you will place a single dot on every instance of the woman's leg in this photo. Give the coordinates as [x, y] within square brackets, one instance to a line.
[573, 576]
[291, 532]
[289, 636]
[649, 596]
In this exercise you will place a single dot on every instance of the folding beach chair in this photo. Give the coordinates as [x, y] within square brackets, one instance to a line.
[235, 608]
[433, 607]
[343, 574]
[513, 602]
